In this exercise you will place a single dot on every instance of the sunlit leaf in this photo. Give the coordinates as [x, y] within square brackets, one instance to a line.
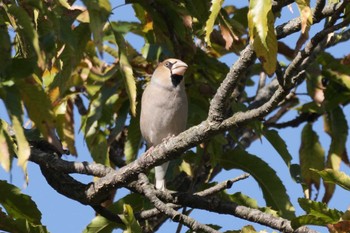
[317, 214]
[242, 199]
[6, 146]
[97, 144]
[335, 177]
[39, 109]
[102, 106]
[14, 108]
[311, 155]
[99, 11]
[65, 120]
[269, 182]
[100, 225]
[336, 126]
[214, 12]
[248, 229]
[262, 33]
[132, 226]
[126, 71]
[306, 21]
[9, 224]
[64, 3]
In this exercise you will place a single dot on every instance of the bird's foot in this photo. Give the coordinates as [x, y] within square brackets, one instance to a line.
[167, 138]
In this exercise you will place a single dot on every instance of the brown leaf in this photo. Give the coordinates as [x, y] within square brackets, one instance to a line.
[225, 32]
[340, 227]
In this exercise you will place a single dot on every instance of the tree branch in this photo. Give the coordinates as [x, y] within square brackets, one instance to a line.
[217, 205]
[176, 216]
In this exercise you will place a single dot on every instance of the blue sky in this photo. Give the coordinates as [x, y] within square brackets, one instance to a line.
[61, 214]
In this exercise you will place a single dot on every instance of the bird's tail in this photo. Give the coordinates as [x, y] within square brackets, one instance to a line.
[160, 172]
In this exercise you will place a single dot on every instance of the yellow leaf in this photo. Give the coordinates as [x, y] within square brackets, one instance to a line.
[23, 151]
[186, 167]
[262, 33]
[209, 25]
[65, 129]
[5, 155]
[306, 21]
[126, 70]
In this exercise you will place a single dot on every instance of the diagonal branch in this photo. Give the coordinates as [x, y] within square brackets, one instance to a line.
[223, 207]
[149, 192]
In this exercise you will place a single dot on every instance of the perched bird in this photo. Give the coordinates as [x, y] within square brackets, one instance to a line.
[164, 108]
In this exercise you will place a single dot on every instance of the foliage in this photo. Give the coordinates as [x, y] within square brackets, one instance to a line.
[68, 69]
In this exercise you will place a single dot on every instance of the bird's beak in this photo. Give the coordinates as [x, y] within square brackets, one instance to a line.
[179, 68]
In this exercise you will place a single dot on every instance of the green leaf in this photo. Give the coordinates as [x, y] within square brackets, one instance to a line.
[9, 224]
[248, 229]
[310, 107]
[18, 205]
[335, 177]
[311, 155]
[38, 106]
[336, 126]
[24, 24]
[133, 142]
[269, 182]
[99, 11]
[209, 25]
[14, 108]
[27, 68]
[97, 144]
[6, 146]
[102, 106]
[100, 225]
[5, 48]
[262, 33]
[279, 144]
[126, 70]
[341, 78]
[317, 214]
[132, 226]
[244, 200]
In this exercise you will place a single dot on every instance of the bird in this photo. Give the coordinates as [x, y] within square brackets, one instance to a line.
[164, 109]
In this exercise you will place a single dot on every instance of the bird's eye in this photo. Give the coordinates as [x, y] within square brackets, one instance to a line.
[168, 64]
[325, 82]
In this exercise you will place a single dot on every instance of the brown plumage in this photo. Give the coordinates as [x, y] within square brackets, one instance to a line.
[164, 108]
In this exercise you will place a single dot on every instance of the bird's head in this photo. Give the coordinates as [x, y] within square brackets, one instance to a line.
[170, 72]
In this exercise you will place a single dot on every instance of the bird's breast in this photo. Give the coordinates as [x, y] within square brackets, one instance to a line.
[165, 114]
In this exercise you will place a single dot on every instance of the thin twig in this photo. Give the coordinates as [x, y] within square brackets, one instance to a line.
[221, 186]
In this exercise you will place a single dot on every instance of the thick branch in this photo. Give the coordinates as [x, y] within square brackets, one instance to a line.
[200, 200]
[149, 192]
[217, 205]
